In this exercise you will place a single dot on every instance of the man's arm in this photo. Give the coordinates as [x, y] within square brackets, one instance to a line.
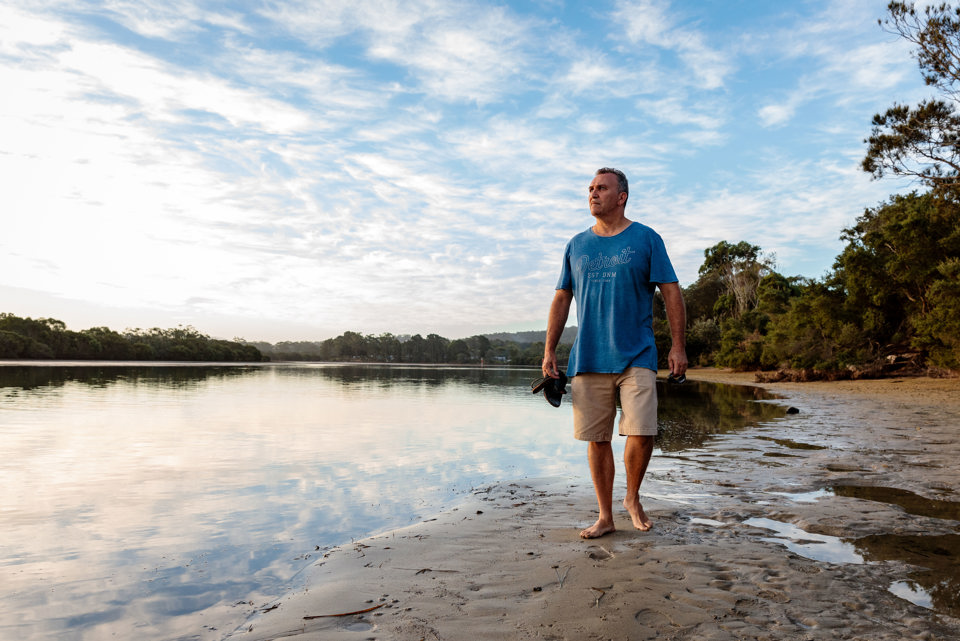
[677, 317]
[559, 310]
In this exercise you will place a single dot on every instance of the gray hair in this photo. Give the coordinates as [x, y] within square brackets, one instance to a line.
[621, 179]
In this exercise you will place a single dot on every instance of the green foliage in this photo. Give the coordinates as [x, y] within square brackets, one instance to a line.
[47, 338]
[703, 339]
[724, 324]
[15, 345]
[458, 352]
[740, 348]
[738, 269]
[938, 331]
[897, 271]
[724, 256]
[701, 297]
[774, 292]
[813, 333]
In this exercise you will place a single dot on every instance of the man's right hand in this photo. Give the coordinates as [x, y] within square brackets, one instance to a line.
[549, 366]
[559, 309]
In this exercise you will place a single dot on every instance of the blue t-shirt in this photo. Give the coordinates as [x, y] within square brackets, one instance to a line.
[613, 279]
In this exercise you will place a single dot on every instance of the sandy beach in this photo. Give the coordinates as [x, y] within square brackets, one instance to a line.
[839, 521]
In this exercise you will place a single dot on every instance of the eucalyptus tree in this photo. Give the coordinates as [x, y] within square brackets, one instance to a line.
[739, 268]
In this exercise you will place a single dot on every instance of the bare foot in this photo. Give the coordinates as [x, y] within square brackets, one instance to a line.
[597, 530]
[640, 519]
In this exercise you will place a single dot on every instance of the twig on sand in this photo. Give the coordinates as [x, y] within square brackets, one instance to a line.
[561, 579]
[600, 596]
[343, 614]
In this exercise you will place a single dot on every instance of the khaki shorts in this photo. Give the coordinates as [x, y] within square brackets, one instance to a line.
[595, 404]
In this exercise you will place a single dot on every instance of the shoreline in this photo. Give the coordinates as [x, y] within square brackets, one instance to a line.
[904, 389]
[755, 536]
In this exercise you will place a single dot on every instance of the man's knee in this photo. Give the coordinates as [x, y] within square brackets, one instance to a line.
[639, 444]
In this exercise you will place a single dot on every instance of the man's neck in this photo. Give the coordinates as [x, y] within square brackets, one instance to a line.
[611, 227]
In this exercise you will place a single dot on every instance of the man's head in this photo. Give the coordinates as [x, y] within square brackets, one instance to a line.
[621, 179]
[608, 193]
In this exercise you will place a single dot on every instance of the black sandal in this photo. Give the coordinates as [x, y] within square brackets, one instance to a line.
[553, 388]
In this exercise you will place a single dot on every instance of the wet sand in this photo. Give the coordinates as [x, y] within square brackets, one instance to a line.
[799, 528]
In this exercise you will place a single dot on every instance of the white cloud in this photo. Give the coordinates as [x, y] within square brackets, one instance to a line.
[595, 76]
[776, 114]
[794, 210]
[115, 73]
[651, 22]
[840, 54]
[400, 166]
[21, 33]
[453, 51]
[337, 92]
[876, 68]
[677, 110]
[169, 19]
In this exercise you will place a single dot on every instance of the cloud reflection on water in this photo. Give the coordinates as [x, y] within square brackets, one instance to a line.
[148, 501]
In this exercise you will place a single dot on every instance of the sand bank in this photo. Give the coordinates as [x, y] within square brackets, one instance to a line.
[807, 527]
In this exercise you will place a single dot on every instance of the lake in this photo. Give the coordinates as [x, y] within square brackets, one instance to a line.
[149, 501]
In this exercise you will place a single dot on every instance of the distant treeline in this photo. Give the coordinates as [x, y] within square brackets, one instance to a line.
[522, 348]
[47, 338]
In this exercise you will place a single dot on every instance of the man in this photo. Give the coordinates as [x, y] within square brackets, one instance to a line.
[612, 270]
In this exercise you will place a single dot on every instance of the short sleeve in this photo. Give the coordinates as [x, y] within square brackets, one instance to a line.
[661, 269]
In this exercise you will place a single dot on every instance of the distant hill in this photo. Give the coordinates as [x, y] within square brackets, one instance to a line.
[536, 336]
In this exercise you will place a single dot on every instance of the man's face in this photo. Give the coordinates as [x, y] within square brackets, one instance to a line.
[604, 196]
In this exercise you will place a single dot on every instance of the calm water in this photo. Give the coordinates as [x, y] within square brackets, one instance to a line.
[147, 502]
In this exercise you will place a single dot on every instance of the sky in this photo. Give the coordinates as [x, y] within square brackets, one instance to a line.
[293, 169]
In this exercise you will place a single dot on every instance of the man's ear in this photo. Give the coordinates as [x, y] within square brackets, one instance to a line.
[622, 198]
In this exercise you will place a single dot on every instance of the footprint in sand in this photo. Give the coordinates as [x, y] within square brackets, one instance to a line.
[653, 619]
[599, 554]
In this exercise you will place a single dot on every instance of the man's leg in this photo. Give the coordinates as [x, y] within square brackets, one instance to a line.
[602, 470]
[594, 399]
[636, 457]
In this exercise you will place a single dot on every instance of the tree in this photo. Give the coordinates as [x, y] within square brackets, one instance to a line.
[775, 291]
[385, 348]
[739, 268]
[112, 344]
[435, 348]
[414, 350]
[923, 142]
[700, 297]
[479, 347]
[351, 345]
[458, 351]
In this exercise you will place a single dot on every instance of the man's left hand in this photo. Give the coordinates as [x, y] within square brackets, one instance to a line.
[677, 360]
